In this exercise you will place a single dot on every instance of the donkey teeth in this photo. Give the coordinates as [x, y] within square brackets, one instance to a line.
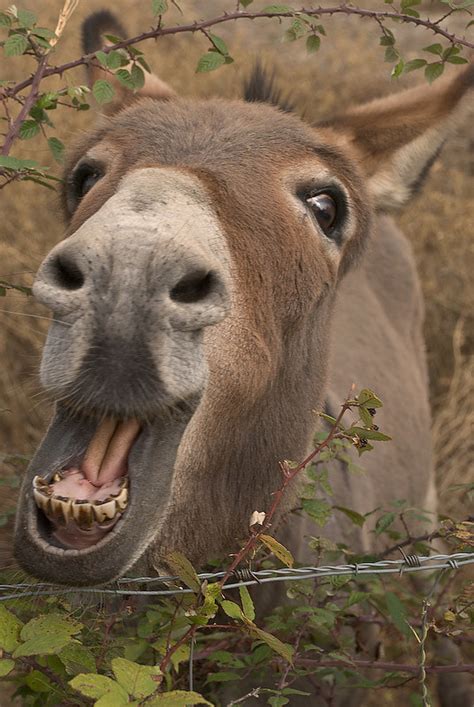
[121, 499]
[105, 511]
[39, 482]
[82, 513]
[42, 500]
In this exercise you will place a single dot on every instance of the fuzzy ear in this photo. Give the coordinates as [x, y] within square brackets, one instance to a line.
[399, 137]
[94, 29]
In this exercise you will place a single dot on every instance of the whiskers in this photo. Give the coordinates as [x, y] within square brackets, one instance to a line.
[34, 316]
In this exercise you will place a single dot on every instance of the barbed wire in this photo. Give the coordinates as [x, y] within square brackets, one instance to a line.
[246, 577]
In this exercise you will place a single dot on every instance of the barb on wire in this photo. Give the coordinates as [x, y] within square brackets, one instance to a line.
[123, 587]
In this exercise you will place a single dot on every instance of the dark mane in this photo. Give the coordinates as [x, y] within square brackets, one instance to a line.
[260, 88]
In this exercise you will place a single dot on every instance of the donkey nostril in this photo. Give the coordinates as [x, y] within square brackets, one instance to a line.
[66, 273]
[193, 287]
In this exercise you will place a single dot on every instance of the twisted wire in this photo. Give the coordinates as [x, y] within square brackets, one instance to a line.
[124, 586]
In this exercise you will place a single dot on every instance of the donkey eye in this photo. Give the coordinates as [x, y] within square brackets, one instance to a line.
[324, 209]
[85, 177]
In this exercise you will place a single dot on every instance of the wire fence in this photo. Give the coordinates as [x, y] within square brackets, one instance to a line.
[245, 577]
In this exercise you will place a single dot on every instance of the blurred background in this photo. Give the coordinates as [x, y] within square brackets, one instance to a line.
[348, 68]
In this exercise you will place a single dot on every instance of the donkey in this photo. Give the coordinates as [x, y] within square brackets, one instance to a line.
[226, 271]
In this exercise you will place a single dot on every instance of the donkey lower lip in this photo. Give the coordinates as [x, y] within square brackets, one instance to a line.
[75, 553]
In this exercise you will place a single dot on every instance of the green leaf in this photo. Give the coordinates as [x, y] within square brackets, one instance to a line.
[318, 509]
[231, 609]
[387, 40]
[44, 33]
[42, 645]
[222, 677]
[125, 78]
[434, 49]
[313, 42]
[414, 65]
[246, 3]
[15, 45]
[138, 76]
[397, 613]
[277, 9]
[5, 20]
[434, 71]
[10, 627]
[76, 658]
[247, 603]
[219, 44]
[209, 62]
[26, 18]
[103, 91]
[177, 698]
[355, 517]
[46, 635]
[396, 72]
[457, 60]
[38, 682]
[355, 598]
[97, 686]
[279, 550]
[136, 679]
[28, 129]
[182, 567]
[6, 666]
[101, 57]
[286, 651]
[57, 149]
[368, 399]
[384, 522]
[391, 54]
[115, 59]
[368, 434]
[159, 7]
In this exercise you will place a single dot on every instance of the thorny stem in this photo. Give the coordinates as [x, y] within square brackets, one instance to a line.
[171, 651]
[289, 474]
[201, 25]
[382, 665]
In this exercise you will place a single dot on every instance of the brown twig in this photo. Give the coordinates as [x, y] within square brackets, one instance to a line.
[377, 15]
[382, 665]
[171, 651]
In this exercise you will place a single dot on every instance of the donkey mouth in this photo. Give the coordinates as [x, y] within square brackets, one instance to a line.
[84, 501]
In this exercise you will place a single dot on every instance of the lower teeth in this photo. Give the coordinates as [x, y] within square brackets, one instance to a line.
[62, 510]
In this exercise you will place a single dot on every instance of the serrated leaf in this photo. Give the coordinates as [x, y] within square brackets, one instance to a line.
[286, 651]
[5, 20]
[231, 609]
[101, 57]
[313, 42]
[15, 45]
[433, 71]
[136, 679]
[318, 509]
[26, 18]
[115, 59]
[355, 517]
[182, 567]
[97, 686]
[209, 62]
[457, 60]
[434, 49]
[391, 55]
[50, 624]
[44, 33]
[414, 64]
[10, 627]
[138, 76]
[42, 645]
[387, 40]
[125, 78]
[355, 598]
[178, 698]
[247, 603]
[6, 666]
[368, 399]
[219, 44]
[397, 613]
[368, 434]
[159, 7]
[384, 522]
[57, 149]
[76, 658]
[28, 129]
[279, 550]
[103, 91]
[38, 682]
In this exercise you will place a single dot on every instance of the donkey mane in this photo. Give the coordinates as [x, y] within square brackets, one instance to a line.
[95, 26]
[260, 87]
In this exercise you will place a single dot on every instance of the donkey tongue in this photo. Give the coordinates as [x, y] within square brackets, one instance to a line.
[106, 456]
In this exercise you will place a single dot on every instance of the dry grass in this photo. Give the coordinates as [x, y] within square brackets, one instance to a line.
[347, 69]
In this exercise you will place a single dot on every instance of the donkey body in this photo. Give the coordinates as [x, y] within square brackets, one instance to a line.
[227, 271]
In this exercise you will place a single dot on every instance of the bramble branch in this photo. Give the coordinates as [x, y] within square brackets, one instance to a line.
[200, 26]
[382, 665]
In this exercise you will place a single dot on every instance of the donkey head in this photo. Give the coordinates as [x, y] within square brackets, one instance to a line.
[191, 302]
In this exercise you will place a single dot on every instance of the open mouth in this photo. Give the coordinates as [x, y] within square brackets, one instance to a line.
[83, 502]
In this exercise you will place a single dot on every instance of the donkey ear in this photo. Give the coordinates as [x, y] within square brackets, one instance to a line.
[398, 138]
[94, 29]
